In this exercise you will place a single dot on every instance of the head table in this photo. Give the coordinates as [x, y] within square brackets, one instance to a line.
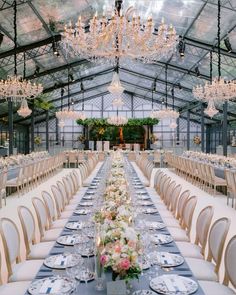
[146, 275]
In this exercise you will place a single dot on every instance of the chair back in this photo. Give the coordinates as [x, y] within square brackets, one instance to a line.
[188, 213]
[41, 214]
[174, 198]
[216, 239]
[202, 226]
[169, 192]
[230, 262]
[59, 200]
[64, 189]
[11, 242]
[50, 206]
[181, 203]
[28, 226]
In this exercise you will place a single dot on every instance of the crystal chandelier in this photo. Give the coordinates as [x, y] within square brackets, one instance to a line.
[173, 124]
[115, 87]
[118, 36]
[67, 114]
[218, 90]
[117, 120]
[211, 111]
[167, 113]
[24, 110]
[15, 88]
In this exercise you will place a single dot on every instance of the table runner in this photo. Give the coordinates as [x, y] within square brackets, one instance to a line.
[143, 282]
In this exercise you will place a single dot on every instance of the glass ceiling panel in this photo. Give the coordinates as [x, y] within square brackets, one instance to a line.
[206, 30]
[29, 27]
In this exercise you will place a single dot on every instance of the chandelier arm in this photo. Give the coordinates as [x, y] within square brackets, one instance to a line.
[15, 38]
[218, 36]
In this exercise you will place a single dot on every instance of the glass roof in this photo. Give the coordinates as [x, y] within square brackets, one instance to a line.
[41, 22]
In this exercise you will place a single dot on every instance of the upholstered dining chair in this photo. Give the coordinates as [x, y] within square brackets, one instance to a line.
[19, 288]
[216, 241]
[182, 234]
[177, 213]
[33, 250]
[46, 234]
[211, 287]
[203, 223]
[17, 270]
[54, 221]
[3, 182]
[62, 211]
[161, 204]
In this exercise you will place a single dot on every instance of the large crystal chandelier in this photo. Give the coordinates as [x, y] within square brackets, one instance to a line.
[66, 113]
[168, 113]
[24, 110]
[218, 90]
[15, 88]
[116, 35]
[118, 102]
[117, 120]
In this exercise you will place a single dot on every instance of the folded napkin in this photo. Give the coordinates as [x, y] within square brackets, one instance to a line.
[62, 260]
[70, 239]
[174, 283]
[166, 258]
[51, 286]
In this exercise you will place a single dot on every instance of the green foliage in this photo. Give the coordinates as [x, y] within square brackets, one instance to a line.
[131, 122]
[42, 102]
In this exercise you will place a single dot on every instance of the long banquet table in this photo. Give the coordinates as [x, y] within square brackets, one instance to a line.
[143, 282]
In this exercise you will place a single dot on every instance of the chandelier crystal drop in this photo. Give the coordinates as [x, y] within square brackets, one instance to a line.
[82, 116]
[116, 36]
[118, 102]
[24, 111]
[115, 87]
[173, 124]
[211, 111]
[154, 114]
[61, 123]
[117, 120]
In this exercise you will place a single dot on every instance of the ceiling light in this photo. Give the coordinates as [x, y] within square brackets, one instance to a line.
[117, 36]
[211, 111]
[118, 102]
[117, 120]
[228, 44]
[24, 110]
[173, 124]
[115, 87]
[181, 47]
[61, 123]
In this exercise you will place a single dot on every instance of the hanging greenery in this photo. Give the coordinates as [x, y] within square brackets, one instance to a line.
[131, 122]
[42, 102]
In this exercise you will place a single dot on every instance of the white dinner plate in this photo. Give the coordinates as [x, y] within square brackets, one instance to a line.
[71, 240]
[62, 261]
[173, 284]
[162, 239]
[52, 285]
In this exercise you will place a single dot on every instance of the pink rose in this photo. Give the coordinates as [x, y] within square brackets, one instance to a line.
[125, 264]
[104, 259]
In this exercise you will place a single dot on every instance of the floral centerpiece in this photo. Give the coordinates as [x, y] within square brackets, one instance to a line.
[122, 247]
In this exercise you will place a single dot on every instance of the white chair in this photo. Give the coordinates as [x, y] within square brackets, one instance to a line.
[33, 250]
[3, 182]
[197, 249]
[210, 287]
[205, 270]
[182, 234]
[17, 270]
[43, 222]
[54, 222]
[60, 203]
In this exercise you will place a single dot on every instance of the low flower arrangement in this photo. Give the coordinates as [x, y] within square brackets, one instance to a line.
[121, 244]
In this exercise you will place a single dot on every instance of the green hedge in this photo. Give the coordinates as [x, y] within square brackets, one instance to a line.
[131, 122]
